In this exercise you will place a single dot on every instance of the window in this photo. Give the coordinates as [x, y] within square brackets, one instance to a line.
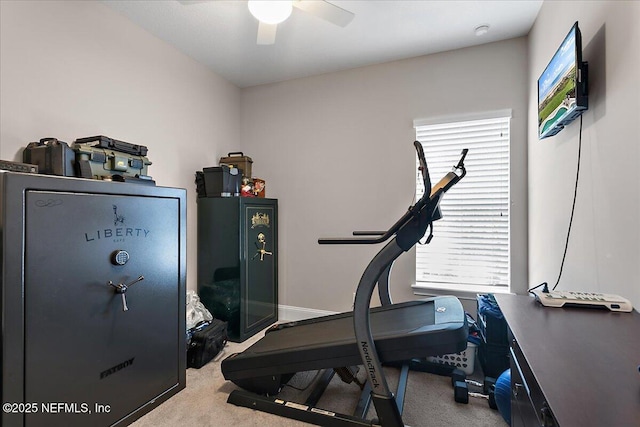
[470, 248]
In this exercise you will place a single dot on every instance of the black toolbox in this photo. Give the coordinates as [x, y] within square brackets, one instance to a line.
[53, 157]
[218, 181]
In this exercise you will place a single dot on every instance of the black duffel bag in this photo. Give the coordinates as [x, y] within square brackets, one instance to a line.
[207, 340]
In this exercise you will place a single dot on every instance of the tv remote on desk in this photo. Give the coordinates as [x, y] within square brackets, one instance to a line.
[582, 299]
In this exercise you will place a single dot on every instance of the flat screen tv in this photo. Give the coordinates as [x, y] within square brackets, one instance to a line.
[562, 86]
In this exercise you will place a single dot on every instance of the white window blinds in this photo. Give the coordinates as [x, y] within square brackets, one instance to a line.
[470, 247]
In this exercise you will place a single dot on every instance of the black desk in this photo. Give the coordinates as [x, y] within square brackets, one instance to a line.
[578, 367]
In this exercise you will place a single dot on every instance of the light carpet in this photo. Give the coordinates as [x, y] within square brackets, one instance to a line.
[203, 403]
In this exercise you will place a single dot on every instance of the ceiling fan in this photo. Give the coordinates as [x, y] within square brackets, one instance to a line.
[271, 13]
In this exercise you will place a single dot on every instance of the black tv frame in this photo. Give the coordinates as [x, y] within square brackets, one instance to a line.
[581, 84]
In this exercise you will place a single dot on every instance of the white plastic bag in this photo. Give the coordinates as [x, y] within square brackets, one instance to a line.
[196, 311]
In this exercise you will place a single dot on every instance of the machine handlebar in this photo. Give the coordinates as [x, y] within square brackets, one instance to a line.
[447, 182]
[423, 167]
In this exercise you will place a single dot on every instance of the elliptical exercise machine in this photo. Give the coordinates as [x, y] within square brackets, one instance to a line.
[368, 337]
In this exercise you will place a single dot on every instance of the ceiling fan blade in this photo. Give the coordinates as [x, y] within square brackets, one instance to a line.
[190, 2]
[325, 10]
[266, 33]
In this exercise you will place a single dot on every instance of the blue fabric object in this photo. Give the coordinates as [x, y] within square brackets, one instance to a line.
[503, 395]
[487, 305]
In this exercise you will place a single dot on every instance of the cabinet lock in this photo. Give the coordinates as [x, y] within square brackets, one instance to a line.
[261, 245]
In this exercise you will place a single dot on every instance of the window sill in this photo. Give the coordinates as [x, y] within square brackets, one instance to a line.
[460, 291]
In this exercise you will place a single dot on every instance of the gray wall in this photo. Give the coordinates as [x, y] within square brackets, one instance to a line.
[336, 150]
[604, 246]
[75, 69]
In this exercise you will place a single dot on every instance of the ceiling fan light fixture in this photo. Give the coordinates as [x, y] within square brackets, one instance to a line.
[270, 12]
[482, 30]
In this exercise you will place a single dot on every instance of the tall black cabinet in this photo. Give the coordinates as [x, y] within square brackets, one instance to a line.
[93, 299]
[237, 262]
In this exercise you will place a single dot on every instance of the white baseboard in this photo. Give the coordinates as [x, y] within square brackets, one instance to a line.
[289, 313]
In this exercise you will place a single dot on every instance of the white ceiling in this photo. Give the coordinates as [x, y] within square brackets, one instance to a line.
[222, 34]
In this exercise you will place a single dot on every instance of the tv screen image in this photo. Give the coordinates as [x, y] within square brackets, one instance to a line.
[561, 88]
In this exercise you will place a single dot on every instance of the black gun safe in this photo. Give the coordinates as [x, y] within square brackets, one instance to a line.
[238, 262]
[93, 299]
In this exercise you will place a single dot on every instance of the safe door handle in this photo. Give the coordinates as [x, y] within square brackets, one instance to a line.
[121, 289]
